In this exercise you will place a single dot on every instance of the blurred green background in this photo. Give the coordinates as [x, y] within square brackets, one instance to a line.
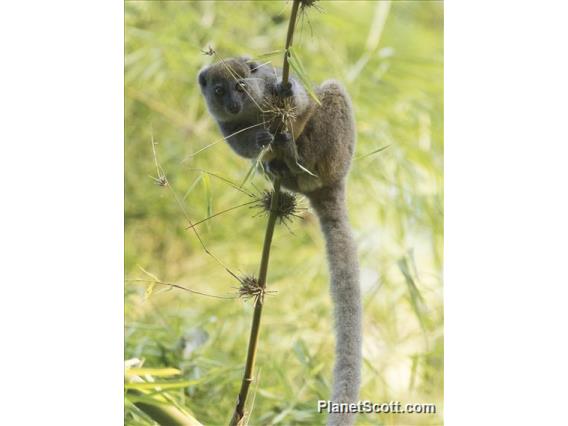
[390, 57]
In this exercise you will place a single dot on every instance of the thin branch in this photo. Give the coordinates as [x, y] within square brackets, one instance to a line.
[193, 154]
[227, 181]
[236, 78]
[255, 328]
[222, 212]
[271, 53]
[239, 413]
[259, 66]
[268, 235]
[376, 151]
[178, 286]
[163, 181]
[182, 208]
[289, 38]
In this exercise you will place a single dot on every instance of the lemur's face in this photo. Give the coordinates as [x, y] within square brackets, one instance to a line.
[231, 89]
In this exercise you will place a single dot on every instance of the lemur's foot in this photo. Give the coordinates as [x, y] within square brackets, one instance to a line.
[263, 138]
[284, 90]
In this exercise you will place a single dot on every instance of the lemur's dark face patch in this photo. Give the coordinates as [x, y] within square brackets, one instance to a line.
[236, 91]
[228, 87]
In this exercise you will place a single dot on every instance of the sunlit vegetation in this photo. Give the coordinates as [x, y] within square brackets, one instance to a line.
[390, 57]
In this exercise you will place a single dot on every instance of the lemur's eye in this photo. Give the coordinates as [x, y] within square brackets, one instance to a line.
[219, 91]
[240, 87]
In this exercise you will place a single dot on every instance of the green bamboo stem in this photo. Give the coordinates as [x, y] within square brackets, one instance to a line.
[289, 38]
[238, 415]
[239, 412]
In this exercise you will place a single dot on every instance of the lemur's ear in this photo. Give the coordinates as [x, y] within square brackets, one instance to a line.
[253, 65]
[202, 77]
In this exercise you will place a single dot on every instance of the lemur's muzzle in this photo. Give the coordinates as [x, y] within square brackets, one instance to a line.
[234, 107]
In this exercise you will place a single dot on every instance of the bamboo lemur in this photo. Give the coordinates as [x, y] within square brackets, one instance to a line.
[311, 155]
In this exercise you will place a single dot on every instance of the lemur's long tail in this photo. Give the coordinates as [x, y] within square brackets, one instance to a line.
[329, 204]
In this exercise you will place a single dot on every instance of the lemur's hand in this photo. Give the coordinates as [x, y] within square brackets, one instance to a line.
[284, 90]
[263, 138]
[288, 163]
[282, 138]
[277, 168]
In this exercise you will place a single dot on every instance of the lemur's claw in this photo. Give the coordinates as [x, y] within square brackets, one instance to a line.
[264, 138]
[284, 90]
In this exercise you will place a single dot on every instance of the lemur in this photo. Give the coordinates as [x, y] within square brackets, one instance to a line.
[312, 156]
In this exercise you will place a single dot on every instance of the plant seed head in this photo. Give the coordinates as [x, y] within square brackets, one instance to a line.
[286, 208]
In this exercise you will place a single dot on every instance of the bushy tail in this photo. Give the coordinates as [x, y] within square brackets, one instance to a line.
[329, 204]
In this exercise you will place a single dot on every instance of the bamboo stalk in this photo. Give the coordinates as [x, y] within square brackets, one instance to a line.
[238, 415]
[289, 38]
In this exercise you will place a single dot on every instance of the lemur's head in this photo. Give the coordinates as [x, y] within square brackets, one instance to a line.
[233, 88]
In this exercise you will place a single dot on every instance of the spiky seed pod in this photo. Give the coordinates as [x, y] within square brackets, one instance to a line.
[251, 289]
[286, 208]
[278, 113]
[308, 3]
[305, 4]
[209, 52]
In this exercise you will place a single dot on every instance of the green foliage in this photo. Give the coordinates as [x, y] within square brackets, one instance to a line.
[298, 67]
[390, 57]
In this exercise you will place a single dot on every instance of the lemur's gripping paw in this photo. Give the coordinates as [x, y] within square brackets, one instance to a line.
[284, 90]
[282, 138]
[277, 168]
[263, 138]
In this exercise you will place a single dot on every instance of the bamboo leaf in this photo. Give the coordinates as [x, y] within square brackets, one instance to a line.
[255, 165]
[251, 172]
[376, 151]
[161, 385]
[296, 64]
[156, 372]
[151, 285]
[161, 409]
[147, 399]
[208, 196]
[192, 186]
[416, 299]
[301, 352]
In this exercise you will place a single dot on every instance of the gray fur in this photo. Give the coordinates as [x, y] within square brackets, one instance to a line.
[321, 141]
[329, 203]
[236, 112]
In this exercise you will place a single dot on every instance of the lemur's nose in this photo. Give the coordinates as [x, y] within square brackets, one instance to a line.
[234, 107]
